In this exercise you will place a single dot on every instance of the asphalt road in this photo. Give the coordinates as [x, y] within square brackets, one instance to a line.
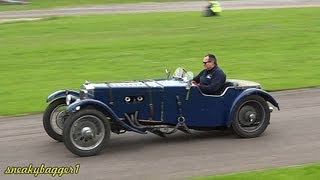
[292, 138]
[152, 7]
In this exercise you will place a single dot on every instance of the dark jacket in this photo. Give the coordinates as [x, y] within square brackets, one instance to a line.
[212, 81]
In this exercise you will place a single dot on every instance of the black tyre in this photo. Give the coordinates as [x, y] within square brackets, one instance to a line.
[54, 117]
[86, 132]
[252, 117]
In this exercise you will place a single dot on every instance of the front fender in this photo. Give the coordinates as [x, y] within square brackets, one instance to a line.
[78, 104]
[248, 92]
[62, 93]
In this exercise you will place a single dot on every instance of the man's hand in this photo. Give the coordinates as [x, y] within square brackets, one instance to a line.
[195, 83]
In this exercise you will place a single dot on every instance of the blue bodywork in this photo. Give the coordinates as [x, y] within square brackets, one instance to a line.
[156, 102]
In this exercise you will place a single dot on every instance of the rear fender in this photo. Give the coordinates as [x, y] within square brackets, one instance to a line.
[62, 93]
[265, 95]
[80, 104]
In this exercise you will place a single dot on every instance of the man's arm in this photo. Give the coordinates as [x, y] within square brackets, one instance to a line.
[197, 78]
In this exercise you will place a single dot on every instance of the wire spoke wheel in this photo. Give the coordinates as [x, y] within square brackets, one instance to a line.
[54, 118]
[87, 132]
[57, 118]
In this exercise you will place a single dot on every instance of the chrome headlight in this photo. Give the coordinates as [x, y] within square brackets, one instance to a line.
[70, 99]
[83, 94]
[86, 91]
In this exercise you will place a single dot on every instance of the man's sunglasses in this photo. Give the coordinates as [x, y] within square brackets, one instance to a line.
[206, 62]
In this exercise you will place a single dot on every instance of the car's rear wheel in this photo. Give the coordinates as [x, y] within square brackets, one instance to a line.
[54, 117]
[252, 116]
[86, 132]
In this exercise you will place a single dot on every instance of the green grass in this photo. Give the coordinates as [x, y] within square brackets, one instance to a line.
[305, 172]
[277, 47]
[40, 4]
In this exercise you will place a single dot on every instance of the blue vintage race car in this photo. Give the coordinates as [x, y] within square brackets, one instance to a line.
[84, 119]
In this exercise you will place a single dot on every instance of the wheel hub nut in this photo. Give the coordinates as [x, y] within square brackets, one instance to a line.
[87, 132]
[252, 117]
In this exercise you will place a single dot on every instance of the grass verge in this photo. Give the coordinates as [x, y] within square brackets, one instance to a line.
[276, 47]
[306, 172]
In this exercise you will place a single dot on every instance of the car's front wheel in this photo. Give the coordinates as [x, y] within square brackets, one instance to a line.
[252, 116]
[86, 132]
[54, 117]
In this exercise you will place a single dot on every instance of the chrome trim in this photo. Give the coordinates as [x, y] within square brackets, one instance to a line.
[89, 86]
[87, 132]
[270, 109]
[86, 90]
[83, 94]
[70, 99]
[252, 117]
[140, 98]
[127, 99]
[224, 92]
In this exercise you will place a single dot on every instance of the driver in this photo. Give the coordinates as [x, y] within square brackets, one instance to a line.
[212, 78]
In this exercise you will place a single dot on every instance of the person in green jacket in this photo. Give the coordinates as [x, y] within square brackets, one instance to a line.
[213, 9]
